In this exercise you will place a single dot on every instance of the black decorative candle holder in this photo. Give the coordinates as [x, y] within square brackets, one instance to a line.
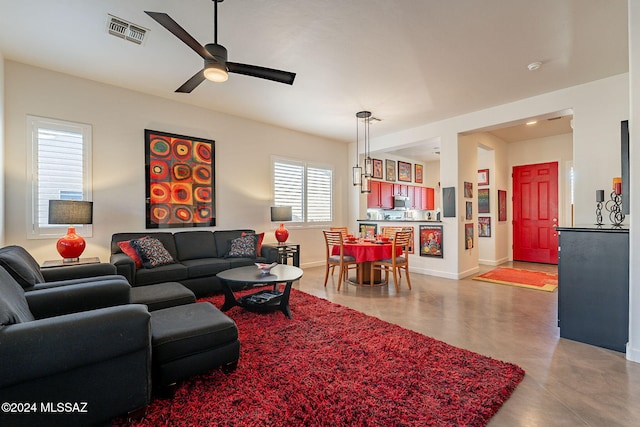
[599, 213]
[614, 207]
[599, 204]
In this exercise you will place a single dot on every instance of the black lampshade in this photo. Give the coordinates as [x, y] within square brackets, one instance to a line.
[281, 213]
[70, 212]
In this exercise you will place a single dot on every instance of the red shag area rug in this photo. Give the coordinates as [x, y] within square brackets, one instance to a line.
[333, 366]
[522, 278]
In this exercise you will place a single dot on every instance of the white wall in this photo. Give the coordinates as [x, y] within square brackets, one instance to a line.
[119, 117]
[633, 348]
[467, 172]
[491, 154]
[432, 179]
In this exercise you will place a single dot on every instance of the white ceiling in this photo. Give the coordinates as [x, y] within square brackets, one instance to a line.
[410, 62]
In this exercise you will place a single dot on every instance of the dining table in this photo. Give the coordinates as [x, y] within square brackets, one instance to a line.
[366, 251]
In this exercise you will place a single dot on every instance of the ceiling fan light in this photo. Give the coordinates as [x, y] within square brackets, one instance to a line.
[216, 73]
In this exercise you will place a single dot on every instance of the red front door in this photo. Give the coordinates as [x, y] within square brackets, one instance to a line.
[535, 213]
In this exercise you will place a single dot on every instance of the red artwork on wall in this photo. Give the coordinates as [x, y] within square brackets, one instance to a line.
[180, 174]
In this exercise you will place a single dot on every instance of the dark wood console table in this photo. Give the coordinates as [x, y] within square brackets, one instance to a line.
[593, 286]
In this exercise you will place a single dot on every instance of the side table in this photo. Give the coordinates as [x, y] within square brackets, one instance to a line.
[287, 251]
[61, 263]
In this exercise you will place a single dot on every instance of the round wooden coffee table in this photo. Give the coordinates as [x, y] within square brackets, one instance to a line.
[264, 300]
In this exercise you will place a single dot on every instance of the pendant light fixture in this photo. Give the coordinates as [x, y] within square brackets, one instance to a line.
[357, 170]
[365, 185]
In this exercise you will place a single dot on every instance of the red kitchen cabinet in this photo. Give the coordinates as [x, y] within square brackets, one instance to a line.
[418, 197]
[428, 200]
[386, 195]
[381, 196]
[400, 190]
[373, 198]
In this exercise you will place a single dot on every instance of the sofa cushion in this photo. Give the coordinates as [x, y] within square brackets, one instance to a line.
[243, 247]
[206, 266]
[21, 266]
[195, 245]
[162, 295]
[260, 239]
[165, 273]
[13, 304]
[223, 237]
[126, 247]
[152, 252]
[165, 238]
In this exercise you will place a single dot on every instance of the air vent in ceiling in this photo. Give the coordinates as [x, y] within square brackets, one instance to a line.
[120, 28]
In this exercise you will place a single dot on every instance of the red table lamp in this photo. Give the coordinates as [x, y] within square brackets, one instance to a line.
[278, 214]
[70, 212]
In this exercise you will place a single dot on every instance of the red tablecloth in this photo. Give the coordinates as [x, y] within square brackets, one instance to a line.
[367, 251]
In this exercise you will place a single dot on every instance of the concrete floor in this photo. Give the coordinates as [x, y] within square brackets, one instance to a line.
[567, 383]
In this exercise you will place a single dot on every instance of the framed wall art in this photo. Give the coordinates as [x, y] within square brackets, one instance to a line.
[368, 231]
[468, 190]
[484, 226]
[469, 211]
[483, 200]
[502, 205]
[377, 168]
[431, 241]
[390, 166]
[483, 177]
[180, 180]
[449, 202]
[404, 171]
[418, 174]
[468, 236]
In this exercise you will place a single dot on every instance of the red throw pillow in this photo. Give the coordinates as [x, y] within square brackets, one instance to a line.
[128, 249]
[259, 245]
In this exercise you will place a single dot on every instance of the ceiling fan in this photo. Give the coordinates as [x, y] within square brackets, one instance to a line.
[216, 66]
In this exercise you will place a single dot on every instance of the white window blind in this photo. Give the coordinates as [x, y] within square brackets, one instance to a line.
[308, 189]
[319, 194]
[60, 170]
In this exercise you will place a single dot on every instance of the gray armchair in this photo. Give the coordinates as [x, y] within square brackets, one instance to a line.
[27, 272]
[66, 345]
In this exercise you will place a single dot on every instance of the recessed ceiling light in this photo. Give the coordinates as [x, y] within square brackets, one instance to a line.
[534, 66]
[532, 122]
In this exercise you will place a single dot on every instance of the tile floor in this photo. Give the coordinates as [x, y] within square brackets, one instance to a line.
[567, 383]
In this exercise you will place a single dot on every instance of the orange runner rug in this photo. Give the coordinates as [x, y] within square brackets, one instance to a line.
[523, 278]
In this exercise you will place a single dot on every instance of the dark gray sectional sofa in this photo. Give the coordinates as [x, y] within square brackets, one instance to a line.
[199, 256]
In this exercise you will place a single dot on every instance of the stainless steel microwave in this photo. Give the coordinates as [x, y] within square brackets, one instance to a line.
[401, 202]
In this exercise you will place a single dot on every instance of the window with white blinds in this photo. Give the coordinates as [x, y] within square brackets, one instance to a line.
[60, 169]
[307, 188]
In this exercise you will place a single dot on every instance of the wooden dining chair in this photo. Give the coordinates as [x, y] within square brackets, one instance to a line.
[344, 231]
[397, 262]
[390, 231]
[342, 261]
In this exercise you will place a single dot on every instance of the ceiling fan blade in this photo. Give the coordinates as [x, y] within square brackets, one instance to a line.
[167, 22]
[261, 72]
[192, 83]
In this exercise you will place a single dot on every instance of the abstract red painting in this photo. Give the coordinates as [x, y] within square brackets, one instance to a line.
[180, 173]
